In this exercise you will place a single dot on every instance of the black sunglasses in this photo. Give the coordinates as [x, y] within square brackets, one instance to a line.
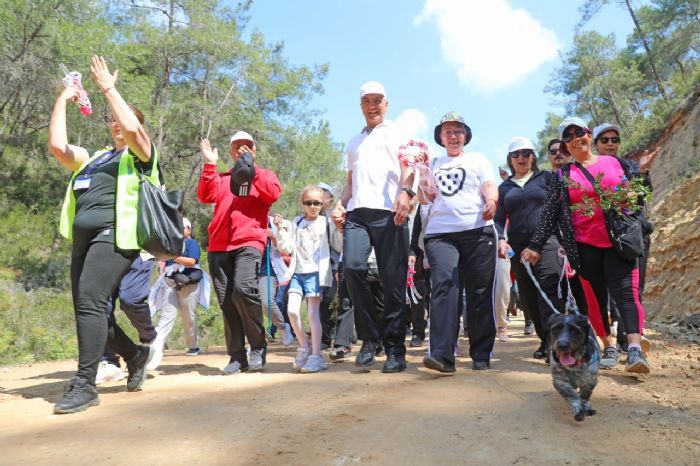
[605, 139]
[520, 153]
[553, 151]
[578, 132]
[312, 203]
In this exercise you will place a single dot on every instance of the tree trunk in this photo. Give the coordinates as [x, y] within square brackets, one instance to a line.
[643, 38]
[162, 99]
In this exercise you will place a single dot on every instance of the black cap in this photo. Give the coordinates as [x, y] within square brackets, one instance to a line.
[242, 175]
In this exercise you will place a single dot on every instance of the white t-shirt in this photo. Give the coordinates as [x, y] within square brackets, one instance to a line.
[308, 244]
[376, 170]
[458, 205]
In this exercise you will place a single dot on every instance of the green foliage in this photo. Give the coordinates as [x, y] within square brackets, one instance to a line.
[627, 197]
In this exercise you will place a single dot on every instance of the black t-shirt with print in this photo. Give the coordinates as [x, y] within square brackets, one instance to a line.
[95, 206]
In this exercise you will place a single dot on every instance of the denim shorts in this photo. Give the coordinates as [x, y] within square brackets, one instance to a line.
[305, 284]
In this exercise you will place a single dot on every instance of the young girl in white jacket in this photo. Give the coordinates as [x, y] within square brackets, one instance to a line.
[309, 241]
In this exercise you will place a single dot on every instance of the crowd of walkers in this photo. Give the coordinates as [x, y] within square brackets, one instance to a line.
[413, 243]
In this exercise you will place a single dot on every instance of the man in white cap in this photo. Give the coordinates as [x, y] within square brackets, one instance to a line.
[237, 236]
[378, 198]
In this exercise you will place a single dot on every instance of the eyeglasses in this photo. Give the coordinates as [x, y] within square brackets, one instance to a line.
[450, 132]
[605, 139]
[312, 203]
[553, 151]
[520, 153]
[578, 133]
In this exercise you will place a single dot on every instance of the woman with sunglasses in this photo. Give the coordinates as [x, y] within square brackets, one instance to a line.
[98, 216]
[521, 200]
[309, 241]
[586, 240]
[460, 242]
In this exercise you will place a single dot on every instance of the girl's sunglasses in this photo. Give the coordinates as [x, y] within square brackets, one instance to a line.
[312, 203]
[578, 133]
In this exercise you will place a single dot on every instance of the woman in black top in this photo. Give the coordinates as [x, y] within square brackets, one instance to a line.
[97, 265]
[520, 201]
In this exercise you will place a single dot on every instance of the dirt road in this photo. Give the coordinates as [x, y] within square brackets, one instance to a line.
[189, 413]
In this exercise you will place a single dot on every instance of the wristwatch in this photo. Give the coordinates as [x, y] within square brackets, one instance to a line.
[411, 193]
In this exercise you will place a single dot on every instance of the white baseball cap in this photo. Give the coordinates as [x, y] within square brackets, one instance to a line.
[372, 87]
[571, 121]
[600, 129]
[186, 223]
[326, 187]
[241, 136]
[518, 143]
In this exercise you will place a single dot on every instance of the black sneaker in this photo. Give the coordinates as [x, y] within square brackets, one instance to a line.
[137, 369]
[416, 341]
[79, 396]
[480, 365]
[439, 364]
[365, 357]
[394, 363]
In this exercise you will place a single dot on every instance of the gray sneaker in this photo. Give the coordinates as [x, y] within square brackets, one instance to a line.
[256, 361]
[529, 329]
[313, 364]
[636, 362]
[300, 359]
[608, 359]
[287, 337]
[234, 367]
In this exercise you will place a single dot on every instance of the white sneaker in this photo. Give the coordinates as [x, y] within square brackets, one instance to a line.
[287, 337]
[300, 359]
[156, 355]
[108, 372]
[314, 364]
[503, 334]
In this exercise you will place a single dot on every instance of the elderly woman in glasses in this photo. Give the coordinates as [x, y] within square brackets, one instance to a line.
[520, 200]
[586, 240]
[460, 241]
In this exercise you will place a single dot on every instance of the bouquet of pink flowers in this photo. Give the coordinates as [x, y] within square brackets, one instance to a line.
[73, 78]
[626, 198]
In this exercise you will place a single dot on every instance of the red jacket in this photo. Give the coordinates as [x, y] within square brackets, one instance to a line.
[238, 221]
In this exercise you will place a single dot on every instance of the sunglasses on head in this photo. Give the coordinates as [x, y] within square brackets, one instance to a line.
[578, 133]
[520, 153]
[605, 139]
[312, 203]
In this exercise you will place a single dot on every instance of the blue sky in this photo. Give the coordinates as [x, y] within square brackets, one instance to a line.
[487, 59]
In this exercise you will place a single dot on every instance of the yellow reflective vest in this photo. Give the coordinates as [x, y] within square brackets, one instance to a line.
[127, 198]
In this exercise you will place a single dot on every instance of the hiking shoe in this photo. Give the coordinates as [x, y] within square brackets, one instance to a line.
[301, 358]
[79, 396]
[529, 328]
[608, 359]
[192, 352]
[394, 363]
[234, 367]
[313, 364]
[339, 353]
[416, 341]
[636, 362]
[137, 369]
[365, 357]
[257, 359]
[287, 335]
[439, 364]
[108, 372]
[502, 334]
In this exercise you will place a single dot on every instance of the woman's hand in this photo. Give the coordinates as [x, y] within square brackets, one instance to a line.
[503, 248]
[338, 216]
[69, 94]
[489, 209]
[101, 75]
[209, 155]
[278, 221]
[647, 159]
[530, 256]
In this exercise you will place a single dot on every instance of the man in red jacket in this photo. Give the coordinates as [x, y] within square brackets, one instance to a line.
[237, 235]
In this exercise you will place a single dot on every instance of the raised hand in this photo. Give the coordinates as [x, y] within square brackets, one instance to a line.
[101, 74]
[209, 155]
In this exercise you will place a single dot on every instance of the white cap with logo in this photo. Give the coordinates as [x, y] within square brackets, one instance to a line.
[372, 87]
[519, 143]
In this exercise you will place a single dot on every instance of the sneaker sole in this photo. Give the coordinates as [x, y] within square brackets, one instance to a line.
[639, 368]
[77, 409]
[432, 364]
[308, 371]
[394, 371]
[256, 369]
[366, 365]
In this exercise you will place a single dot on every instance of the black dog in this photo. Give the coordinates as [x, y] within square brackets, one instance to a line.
[574, 361]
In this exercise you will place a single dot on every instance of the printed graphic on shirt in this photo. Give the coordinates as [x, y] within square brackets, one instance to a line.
[451, 180]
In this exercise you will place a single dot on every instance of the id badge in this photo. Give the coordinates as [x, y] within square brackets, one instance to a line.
[82, 182]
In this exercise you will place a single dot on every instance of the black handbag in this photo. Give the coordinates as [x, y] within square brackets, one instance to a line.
[159, 227]
[624, 231]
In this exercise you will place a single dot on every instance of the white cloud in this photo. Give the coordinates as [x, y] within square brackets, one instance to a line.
[414, 123]
[491, 44]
